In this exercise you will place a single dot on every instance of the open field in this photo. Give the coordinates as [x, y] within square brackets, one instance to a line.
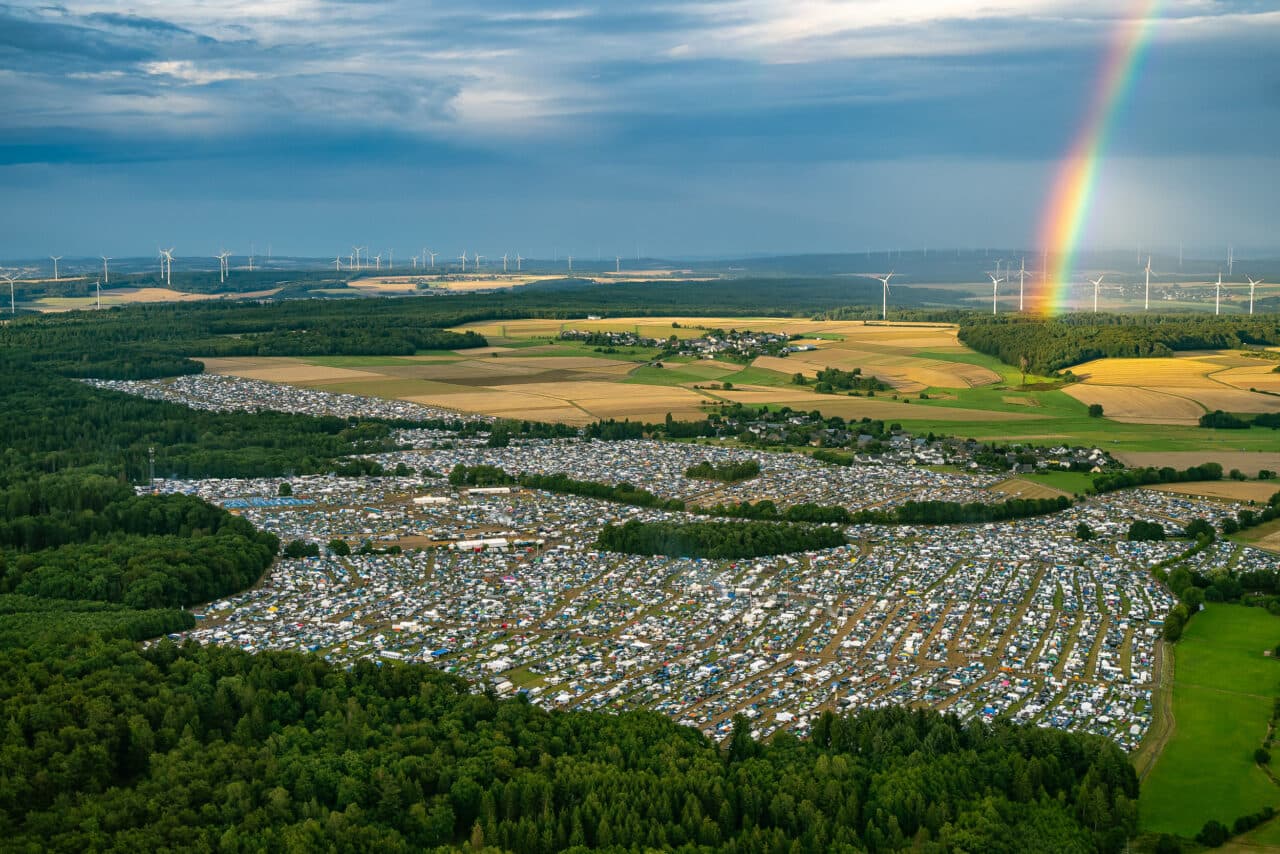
[129, 296]
[1138, 405]
[1024, 488]
[488, 281]
[530, 373]
[1222, 696]
[1252, 490]
[451, 282]
[1248, 462]
[898, 365]
[896, 335]
[1177, 389]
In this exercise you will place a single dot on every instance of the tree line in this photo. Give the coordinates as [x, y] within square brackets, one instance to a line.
[1051, 345]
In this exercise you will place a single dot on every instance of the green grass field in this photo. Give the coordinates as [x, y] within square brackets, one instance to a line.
[1072, 482]
[1222, 697]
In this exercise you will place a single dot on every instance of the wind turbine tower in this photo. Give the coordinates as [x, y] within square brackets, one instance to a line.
[1217, 298]
[519, 261]
[1097, 283]
[168, 266]
[1146, 301]
[617, 264]
[11, 278]
[106, 275]
[570, 263]
[56, 259]
[1022, 279]
[337, 263]
[98, 285]
[504, 262]
[995, 292]
[251, 257]
[463, 259]
[1231, 259]
[1252, 286]
[433, 259]
[884, 300]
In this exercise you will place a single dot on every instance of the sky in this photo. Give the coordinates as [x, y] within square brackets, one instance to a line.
[671, 129]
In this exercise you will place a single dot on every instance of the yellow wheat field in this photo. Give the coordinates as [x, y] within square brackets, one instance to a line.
[1138, 405]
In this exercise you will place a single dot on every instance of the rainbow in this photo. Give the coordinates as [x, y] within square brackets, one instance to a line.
[1063, 221]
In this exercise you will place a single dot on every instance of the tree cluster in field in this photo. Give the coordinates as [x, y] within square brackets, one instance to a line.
[1054, 344]
[955, 512]
[1127, 478]
[622, 493]
[1141, 530]
[716, 539]
[730, 472]
[479, 475]
[202, 748]
[1219, 420]
[831, 380]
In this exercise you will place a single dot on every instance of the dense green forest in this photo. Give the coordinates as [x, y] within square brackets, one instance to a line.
[716, 539]
[1055, 344]
[110, 747]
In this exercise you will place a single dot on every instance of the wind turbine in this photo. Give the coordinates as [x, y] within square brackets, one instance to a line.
[519, 261]
[1022, 277]
[250, 257]
[98, 285]
[463, 258]
[391, 260]
[504, 262]
[168, 266]
[11, 278]
[570, 263]
[222, 264]
[433, 257]
[1231, 258]
[377, 260]
[884, 303]
[337, 263]
[56, 259]
[1097, 283]
[1252, 285]
[617, 264]
[106, 275]
[476, 259]
[1146, 301]
[995, 290]
[1217, 299]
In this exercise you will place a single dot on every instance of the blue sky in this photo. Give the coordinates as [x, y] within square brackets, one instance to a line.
[713, 127]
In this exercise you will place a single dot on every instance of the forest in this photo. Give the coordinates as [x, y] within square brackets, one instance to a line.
[1051, 345]
[112, 746]
[716, 539]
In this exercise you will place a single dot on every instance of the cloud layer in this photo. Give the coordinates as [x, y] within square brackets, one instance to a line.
[565, 110]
